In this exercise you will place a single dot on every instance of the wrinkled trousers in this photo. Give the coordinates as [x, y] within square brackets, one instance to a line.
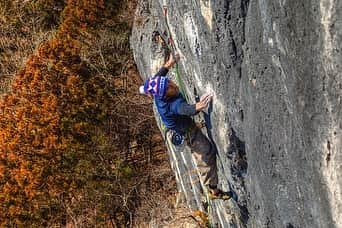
[204, 154]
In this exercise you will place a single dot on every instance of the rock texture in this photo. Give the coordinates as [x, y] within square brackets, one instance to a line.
[275, 68]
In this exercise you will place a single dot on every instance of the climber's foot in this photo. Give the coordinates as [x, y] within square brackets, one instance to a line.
[216, 193]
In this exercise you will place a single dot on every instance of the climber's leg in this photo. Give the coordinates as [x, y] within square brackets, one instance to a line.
[205, 156]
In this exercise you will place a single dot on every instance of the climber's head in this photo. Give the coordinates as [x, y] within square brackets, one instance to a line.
[172, 90]
[160, 87]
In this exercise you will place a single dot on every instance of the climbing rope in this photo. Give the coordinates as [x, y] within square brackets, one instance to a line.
[181, 83]
[171, 45]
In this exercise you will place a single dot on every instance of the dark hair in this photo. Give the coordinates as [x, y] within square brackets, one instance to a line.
[172, 90]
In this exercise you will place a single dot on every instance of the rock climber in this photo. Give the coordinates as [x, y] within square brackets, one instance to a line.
[176, 115]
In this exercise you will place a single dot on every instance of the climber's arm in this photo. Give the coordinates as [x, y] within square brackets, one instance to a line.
[172, 61]
[186, 109]
[162, 71]
[167, 66]
[183, 108]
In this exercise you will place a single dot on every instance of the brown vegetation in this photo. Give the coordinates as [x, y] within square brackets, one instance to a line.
[77, 145]
[23, 26]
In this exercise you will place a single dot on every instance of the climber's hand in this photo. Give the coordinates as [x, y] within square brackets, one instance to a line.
[204, 101]
[172, 60]
[176, 57]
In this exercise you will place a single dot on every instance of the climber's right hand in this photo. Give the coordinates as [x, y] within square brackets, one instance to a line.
[176, 58]
[204, 102]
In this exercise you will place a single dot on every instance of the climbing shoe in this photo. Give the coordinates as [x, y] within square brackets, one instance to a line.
[219, 194]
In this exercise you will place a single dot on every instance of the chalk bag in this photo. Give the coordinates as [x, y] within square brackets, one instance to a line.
[177, 139]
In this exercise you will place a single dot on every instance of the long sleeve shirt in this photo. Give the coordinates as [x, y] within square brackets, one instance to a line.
[175, 112]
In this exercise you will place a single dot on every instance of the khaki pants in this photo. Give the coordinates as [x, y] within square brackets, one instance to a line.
[205, 155]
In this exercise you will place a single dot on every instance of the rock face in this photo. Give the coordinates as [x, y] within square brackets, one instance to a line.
[275, 68]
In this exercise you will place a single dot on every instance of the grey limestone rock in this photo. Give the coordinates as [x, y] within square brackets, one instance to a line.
[275, 68]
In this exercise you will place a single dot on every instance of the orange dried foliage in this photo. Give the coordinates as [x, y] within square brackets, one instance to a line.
[51, 109]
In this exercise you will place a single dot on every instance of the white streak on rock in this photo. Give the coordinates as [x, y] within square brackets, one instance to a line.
[221, 111]
[331, 169]
[207, 12]
[198, 80]
[282, 82]
[218, 212]
[326, 7]
[209, 89]
[191, 32]
[266, 20]
[270, 41]
[278, 40]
